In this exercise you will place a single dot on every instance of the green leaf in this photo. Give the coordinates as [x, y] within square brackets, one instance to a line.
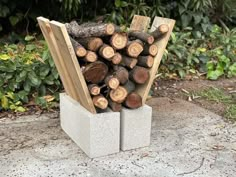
[4, 57]
[181, 73]
[4, 102]
[34, 79]
[185, 19]
[29, 38]
[43, 71]
[117, 3]
[30, 47]
[20, 109]
[14, 20]
[214, 75]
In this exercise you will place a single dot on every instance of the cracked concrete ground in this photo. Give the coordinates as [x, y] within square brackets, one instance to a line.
[186, 141]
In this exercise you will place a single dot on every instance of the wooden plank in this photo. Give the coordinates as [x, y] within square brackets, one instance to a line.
[140, 23]
[143, 90]
[67, 52]
[48, 35]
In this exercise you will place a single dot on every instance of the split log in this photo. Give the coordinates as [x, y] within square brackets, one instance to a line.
[119, 40]
[145, 37]
[116, 59]
[95, 72]
[160, 31]
[139, 75]
[91, 43]
[100, 102]
[134, 48]
[150, 50]
[78, 48]
[146, 61]
[90, 57]
[112, 82]
[116, 107]
[129, 86]
[118, 95]
[106, 51]
[94, 89]
[100, 29]
[129, 62]
[121, 74]
[133, 101]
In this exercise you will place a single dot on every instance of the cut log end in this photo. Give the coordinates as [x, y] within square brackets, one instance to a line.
[145, 61]
[129, 62]
[160, 31]
[133, 101]
[150, 39]
[164, 28]
[112, 82]
[119, 40]
[110, 29]
[107, 52]
[139, 75]
[80, 51]
[134, 48]
[153, 50]
[94, 89]
[116, 59]
[100, 102]
[94, 44]
[91, 56]
[118, 95]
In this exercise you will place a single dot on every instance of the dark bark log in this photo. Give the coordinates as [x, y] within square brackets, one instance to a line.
[100, 102]
[116, 107]
[78, 48]
[139, 75]
[95, 72]
[145, 37]
[101, 29]
[94, 89]
[160, 31]
[91, 43]
[150, 50]
[119, 40]
[134, 48]
[116, 59]
[90, 57]
[112, 82]
[129, 62]
[133, 101]
[129, 86]
[121, 73]
[145, 61]
[118, 95]
[106, 51]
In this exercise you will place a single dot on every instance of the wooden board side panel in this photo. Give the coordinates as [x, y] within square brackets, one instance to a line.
[71, 63]
[140, 23]
[48, 35]
[143, 90]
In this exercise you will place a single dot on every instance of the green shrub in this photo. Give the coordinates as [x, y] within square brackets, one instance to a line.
[27, 72]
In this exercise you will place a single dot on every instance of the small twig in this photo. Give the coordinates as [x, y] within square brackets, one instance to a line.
[137, 165]
[185, 173]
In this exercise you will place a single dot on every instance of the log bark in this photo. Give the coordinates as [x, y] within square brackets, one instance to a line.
[145, 37]
[118, 95]
[116, 59]
[145, 61]
[139, 75]
[129, 62]
[129, 86]
[106, 51]
[150, 50]
[90, 57]
[119, 40]
[95, 72]
[94, 89]
[100, 29]
[78, 48]
[121, 74]
[100, 102]
[134, 48]
[91, 43]
[116, 107]
[160, 31]
[133, 101]
[112, 82]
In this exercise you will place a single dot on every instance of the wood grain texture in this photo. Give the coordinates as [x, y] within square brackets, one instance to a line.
[140, 23]
[144, 89]
[66, 49]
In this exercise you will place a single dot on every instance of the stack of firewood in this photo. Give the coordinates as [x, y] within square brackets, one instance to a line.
[113, 62]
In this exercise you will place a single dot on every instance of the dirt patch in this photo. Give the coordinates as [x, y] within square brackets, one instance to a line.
[187, 89]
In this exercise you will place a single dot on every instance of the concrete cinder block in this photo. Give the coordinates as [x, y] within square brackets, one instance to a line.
[96, 134]
[135, 127]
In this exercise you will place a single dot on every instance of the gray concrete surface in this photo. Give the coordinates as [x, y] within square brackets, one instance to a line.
[96, 134]
[135, 128]
[186, 141]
